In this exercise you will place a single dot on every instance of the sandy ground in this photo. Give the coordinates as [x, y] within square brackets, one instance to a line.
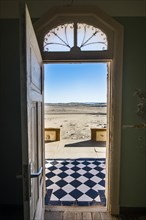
[75, 122]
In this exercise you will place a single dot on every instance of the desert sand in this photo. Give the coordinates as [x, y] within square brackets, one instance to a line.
[75, 120]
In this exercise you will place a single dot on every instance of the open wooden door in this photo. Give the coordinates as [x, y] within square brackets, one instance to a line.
[31, 119]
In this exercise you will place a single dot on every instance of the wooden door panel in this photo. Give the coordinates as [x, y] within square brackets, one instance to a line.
[36, 78]
[33, 160]
[32, 118]
[36, 199]
[40, 133]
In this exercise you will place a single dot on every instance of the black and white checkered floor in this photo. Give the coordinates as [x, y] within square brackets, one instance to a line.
[75, 182]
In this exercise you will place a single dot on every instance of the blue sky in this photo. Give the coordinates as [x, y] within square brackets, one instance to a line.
[80, 82]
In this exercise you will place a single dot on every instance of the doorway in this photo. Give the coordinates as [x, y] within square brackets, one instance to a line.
[112, 55]
[53, 21]
[76, 106]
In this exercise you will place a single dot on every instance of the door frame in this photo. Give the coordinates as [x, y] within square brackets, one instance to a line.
[115, 62]
[108, 145]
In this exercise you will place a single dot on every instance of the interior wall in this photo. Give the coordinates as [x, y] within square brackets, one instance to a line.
[133, 145]
[39, 7]
[10, 143]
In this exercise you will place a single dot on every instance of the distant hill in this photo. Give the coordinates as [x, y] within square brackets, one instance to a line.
[88, 104]
[76, 108]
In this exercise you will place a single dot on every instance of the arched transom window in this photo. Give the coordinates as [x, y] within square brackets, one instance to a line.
[75, 36]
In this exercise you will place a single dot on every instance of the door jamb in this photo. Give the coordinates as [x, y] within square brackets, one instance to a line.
[115, 113]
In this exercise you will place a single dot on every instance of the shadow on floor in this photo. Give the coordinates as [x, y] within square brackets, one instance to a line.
[87, 143]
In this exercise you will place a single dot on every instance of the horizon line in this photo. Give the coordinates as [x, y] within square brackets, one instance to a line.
[75, 102]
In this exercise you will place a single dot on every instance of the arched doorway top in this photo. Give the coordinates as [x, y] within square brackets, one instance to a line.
[90, 16]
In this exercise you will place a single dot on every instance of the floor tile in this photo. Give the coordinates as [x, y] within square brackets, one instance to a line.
[75, 182]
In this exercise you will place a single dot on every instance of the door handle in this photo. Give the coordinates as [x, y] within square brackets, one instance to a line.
[35, 175]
